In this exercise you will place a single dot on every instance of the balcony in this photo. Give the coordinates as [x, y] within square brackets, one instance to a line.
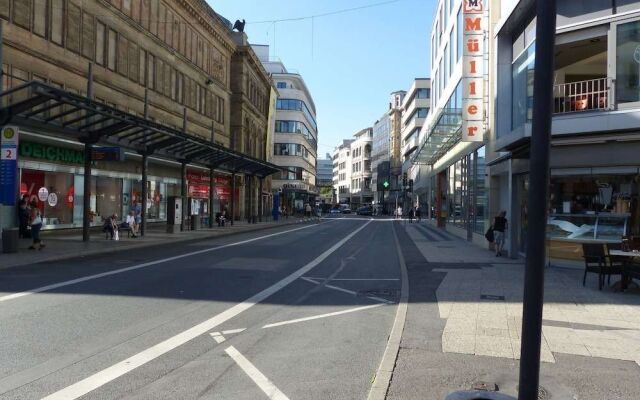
[588, 95]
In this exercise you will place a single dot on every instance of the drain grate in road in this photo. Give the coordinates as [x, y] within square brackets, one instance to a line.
[489, 387]
[492, 297]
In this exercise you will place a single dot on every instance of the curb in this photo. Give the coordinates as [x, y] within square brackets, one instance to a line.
[85, 253]
[382, 379]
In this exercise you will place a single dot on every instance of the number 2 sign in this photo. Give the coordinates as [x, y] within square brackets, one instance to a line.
[9, 154]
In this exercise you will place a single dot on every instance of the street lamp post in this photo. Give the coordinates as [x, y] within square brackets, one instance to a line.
[537, 199]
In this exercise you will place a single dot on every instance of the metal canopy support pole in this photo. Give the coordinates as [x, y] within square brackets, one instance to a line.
[537, 199]
[86, 201]
[212, 180]
[233, 197]
[143, 212]
[90, 82]
[261, 203]
[1, 60]
[183, 191]
[145, 165]
[248, 187]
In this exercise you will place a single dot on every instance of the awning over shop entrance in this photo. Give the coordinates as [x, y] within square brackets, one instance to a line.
[76, 117]
[441, 136]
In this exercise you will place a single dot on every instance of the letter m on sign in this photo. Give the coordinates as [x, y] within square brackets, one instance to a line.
[473, 24]
[473, 6]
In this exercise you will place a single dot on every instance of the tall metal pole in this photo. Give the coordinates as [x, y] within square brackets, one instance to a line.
[261, 201]
[537, 199]
[86, 201]
[212, 180]
[145, 165]
[183, 192]
[233, 197]
[90, 82]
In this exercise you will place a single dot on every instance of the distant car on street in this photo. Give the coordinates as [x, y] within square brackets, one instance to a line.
[335, 211]
[364, 211]
[346, 210]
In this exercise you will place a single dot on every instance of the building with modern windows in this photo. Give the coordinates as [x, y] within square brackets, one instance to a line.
[451, 151]
[324, 179]
[342, 172]
[361, 189]
[595, 167]
[82, 76]
[379, 155]
[415, 108]
[295, 138]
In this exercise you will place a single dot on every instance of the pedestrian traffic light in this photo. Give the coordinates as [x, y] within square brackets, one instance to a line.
[385, 184]
[411, 185]
[404, 180]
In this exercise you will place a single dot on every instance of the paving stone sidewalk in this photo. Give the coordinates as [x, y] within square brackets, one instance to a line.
[62, 245]
[465, 316]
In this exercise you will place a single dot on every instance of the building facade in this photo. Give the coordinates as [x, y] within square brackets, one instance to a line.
[379, 156]
[162, 82]
[342, 172]
[452, 174]
[596, 103]
[324, 180]
[361, 189]
[295, 143]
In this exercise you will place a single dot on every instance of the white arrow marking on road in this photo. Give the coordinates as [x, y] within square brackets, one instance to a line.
[331, 314]
[217, 337]
[115, 371]
[346, 291]
[232, 331]
[256, 376]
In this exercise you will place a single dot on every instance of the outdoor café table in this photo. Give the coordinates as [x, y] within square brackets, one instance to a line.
[622, 284]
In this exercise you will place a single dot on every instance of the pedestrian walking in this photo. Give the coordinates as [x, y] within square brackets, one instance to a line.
[23, 219]
[418, 214]
[36, 225]
[499, 228]
[307, 209]
[411, 215]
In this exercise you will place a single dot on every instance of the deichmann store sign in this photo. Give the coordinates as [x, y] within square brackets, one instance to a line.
[51, 153]
[473, 126]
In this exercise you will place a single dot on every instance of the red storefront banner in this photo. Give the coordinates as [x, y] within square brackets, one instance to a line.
[198, 185]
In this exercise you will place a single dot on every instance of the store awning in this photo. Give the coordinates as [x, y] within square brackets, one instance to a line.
[441, 136]
[44, 107]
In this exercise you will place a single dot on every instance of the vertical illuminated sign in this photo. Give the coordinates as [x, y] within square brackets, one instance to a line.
[473, 29]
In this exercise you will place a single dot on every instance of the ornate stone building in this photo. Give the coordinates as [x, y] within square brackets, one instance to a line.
[180, 54]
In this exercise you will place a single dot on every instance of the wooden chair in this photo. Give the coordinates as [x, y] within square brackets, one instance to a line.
[594, 261]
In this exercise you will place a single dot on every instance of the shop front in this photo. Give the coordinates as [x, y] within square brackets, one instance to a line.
[198, 192]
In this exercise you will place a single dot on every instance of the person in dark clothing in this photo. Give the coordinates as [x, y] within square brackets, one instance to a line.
[418, 214]
[499, 229]
[23, 219]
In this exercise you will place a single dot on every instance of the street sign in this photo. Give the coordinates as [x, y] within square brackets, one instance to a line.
[9, 165]
[107, 154]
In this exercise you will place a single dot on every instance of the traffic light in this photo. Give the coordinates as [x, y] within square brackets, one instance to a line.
[410, 185]
[385, 184]
[404, 180]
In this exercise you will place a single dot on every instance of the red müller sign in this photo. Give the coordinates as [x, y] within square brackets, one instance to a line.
[472, 71]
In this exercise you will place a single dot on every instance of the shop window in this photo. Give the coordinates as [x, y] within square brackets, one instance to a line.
[52, 193]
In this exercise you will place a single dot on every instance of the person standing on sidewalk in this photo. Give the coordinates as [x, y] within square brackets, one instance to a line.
[36, 225]
[23, 219]
[499, 228]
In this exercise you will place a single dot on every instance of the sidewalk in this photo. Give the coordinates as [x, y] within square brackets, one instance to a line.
[63, 245]
[464, 322]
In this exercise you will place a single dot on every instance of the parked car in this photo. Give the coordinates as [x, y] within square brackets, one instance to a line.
[346, 210]
[364, 211]
[335, 211]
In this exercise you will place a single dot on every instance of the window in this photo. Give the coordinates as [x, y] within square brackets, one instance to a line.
[133, 61]
[151, 76]
[459, 36]
[281, 85]
[22, 13]
[422, 112]
[162, 17]
[153, 18]
[123, 55]
[446, 65]
[160, 76]
[111, 46]
[39, 18]
[627, 68]
[452, 56]
[522, 87]
[4, 10]
[142, 66]
[100, 29]
[73, 27]
[297, 105]
[422, 93]
[88, 36]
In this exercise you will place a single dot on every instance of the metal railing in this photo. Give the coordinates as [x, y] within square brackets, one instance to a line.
[589, 95]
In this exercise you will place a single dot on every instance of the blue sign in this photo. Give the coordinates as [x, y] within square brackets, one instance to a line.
[107, 154]
[9, 165]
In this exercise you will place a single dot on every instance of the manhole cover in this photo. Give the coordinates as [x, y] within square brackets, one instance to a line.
[490, 387]
[543, 394]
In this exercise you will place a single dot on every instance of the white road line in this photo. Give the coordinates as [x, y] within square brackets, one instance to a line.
[134, 267]
[331, 314]
[312, 280]
[354, 279]
[115, 371]
[232, 331]
[217, 337]
[256, 376]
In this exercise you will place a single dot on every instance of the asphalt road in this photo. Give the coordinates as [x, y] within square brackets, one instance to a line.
[298, 312]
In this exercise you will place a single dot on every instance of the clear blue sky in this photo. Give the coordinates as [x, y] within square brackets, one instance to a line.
[350, 61]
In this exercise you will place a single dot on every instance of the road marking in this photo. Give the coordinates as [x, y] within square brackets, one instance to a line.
[232, 331]
[256, 376]
[217, 337]
[346, 290]
[354, 279]
[331, 314]
[134, 267]
[115, 371]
